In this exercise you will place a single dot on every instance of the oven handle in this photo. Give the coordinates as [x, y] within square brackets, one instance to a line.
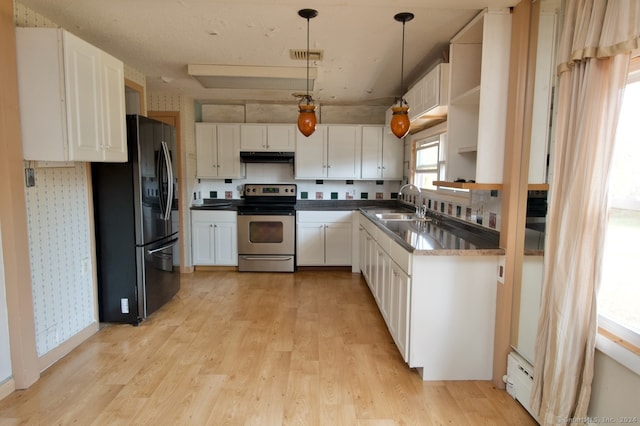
[278, 258]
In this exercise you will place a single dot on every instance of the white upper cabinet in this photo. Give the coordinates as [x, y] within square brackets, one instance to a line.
[72, 104]
[267, 137]
[428, 99]
[382, 154]
[218, 151]
[479, 77]
[331, 152]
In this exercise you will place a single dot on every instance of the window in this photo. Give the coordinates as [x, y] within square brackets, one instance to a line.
[619, 295]
[429, 162]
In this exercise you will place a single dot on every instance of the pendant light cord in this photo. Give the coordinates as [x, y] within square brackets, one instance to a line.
[308, 61]
[402, 62]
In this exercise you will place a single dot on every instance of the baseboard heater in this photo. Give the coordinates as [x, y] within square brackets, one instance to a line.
[519, 381]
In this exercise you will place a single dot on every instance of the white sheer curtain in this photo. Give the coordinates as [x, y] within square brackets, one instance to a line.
[597, 36]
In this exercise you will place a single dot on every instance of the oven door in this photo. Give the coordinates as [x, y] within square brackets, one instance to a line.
[266, 243]
[266, 234]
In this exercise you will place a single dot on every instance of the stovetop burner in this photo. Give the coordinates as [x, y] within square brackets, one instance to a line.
[269, 199]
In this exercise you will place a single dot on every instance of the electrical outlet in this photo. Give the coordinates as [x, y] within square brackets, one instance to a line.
[124, 305]
[85, 266]
[501, 269]
[30, 177]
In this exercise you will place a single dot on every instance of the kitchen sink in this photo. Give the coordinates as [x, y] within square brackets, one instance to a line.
[399, 216]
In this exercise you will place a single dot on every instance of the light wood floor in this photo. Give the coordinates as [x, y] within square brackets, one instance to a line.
[232, 348]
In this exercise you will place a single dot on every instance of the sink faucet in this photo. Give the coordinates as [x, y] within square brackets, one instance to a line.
[420, 209]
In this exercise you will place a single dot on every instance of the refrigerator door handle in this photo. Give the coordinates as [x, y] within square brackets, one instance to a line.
[160, 168]
[167, 163]
[171, 244]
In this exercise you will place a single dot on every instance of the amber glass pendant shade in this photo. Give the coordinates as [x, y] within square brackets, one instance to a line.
[307, 119]
[400, 121]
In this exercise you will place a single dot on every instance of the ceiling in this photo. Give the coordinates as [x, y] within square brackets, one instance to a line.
[360, 41]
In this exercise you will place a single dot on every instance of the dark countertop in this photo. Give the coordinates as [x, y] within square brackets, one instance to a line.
[437, 236]
[219, 204]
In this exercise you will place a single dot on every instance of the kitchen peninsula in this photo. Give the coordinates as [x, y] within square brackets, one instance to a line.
[435, 286]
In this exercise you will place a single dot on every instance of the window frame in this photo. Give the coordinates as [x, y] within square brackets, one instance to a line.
[613, 338]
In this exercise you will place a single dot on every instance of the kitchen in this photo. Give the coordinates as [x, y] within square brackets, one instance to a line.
[188, 112]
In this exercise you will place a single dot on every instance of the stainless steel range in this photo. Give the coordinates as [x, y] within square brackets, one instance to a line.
[266, 228]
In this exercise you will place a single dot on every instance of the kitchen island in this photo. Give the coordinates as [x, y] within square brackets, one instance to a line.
[435, 286]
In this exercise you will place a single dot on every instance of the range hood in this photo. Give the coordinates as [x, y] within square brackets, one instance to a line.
[266, 157]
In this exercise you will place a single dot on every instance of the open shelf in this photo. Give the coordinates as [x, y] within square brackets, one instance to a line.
[470, 97]
[470, 148]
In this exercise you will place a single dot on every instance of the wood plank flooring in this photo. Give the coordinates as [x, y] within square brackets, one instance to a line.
[232, 348]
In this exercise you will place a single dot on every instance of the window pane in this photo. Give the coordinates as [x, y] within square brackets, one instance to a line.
[620, 290]
[425, 180]
[427, 157]
[619, 295]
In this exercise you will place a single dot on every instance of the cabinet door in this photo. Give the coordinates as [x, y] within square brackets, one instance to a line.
[253, 137]
[202, 243]
[392, 156]
[431, 90]
[310, 243]
[372, 152]
[114, 112]
[370, 262]
[338, 243]
[281, 137]
[225, 243]
[206, 150]
[84, 101]
[399, 309]
[228, 136]
[343, 152]
[311, 160]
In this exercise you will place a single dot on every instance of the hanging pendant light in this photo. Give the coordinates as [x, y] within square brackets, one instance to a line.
[400, 119]
[307, 119]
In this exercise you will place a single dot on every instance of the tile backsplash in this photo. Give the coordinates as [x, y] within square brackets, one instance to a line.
[307, 189]
[482, 208]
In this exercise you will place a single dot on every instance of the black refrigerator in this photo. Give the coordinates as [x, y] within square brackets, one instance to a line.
[135, 239]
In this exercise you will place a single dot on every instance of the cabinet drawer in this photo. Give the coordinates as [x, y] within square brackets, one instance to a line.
[213, 216]
[324, 216]
[368, 225]
[400, 256]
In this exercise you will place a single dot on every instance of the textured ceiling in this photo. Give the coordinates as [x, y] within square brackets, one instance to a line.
[360, 40]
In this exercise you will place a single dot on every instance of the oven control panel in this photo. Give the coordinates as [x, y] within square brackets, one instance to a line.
[274, 190]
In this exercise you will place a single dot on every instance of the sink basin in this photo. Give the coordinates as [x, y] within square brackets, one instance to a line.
[399, 216]
[396, 216]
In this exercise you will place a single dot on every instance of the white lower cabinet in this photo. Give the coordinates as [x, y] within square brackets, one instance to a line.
[440, 310]
[398, 309]
[323, 238]
[214, 237]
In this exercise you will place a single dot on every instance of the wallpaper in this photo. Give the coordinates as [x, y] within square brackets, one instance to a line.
[60, 254]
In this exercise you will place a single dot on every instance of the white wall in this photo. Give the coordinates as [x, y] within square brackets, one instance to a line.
[615, 391]
[5, 353]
